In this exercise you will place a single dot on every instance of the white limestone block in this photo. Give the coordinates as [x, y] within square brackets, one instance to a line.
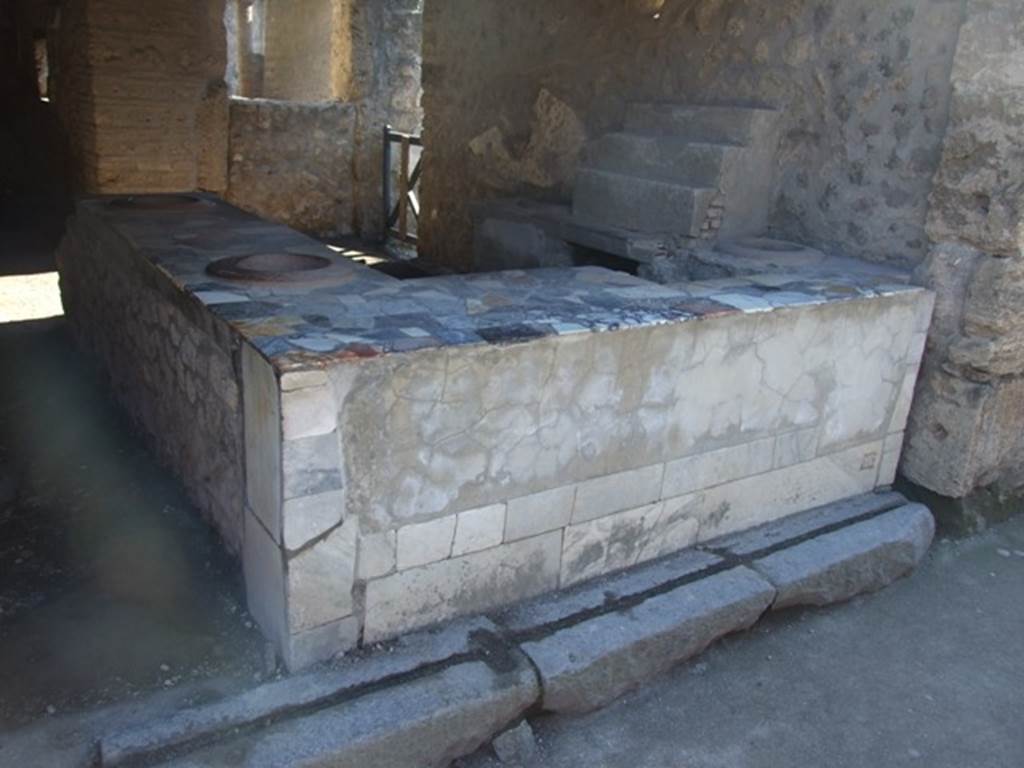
[539, 513]
[463, 585]
[624, 539]
[377, 555]
[423, 543]
[604, 495]
[320, 580]
[263, 481]
[706, 470]
[308, 412]
[478, 529]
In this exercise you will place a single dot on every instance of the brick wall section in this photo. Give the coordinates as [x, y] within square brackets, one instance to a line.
[139, 86]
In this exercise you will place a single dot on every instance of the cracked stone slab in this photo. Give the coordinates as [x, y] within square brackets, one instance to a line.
[427, 722]
[587, 665]
[291, 694]
[863, 557]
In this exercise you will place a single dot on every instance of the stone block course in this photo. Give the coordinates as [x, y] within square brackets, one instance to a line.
[479, 581]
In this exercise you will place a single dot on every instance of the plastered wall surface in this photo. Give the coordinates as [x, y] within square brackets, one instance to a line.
[864, 87]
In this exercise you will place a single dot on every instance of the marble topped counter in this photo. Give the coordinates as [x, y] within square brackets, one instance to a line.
[352, 311]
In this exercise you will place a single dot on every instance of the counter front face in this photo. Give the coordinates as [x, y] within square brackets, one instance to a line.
[416, 450]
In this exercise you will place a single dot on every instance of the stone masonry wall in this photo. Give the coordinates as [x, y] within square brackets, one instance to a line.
[171, 365]
[864, 87]
[967, 426]
[292, 163]
[139, 87]
[308, 50]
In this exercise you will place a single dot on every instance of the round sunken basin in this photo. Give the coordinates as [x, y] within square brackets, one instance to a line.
[280, 267]
[158, 202]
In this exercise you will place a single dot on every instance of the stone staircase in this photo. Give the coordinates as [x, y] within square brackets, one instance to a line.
[683, 170]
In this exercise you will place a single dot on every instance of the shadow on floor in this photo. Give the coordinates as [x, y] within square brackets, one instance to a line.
[112, 584]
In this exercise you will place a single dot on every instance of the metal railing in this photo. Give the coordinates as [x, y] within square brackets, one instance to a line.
[402, 211]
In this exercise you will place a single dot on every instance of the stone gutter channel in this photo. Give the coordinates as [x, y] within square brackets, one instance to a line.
[433, 696]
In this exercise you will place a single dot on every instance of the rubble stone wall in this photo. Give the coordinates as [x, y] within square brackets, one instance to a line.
[292, 163]
[864, 88]
[967, 426]
[170, 362]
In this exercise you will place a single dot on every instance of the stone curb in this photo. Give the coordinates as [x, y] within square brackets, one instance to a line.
[594, 662]
[426, 722]
[864, 557]
[294, 695]
[433, 696]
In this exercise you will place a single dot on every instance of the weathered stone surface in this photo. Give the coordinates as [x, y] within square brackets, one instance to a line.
[462, 585]
[591, 663]
[516, 746]
[626, 538]
[426, 723]
[859, 558]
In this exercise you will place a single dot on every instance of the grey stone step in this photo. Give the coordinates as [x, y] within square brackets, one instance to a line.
[668, 158]
[736, 125]
[644, 205]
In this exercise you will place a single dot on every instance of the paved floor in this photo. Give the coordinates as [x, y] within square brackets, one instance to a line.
[929, 672]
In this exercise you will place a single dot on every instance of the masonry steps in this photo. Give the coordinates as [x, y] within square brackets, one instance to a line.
[734, 125]
[637, 203]
[665, 158]
[663, 172]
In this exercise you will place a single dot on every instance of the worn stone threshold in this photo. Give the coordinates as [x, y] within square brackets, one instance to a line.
[436, 695]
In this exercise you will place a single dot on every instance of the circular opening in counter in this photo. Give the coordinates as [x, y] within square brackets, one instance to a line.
[158, 202]
[268, 267]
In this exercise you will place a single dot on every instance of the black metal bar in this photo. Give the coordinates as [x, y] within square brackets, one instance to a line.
[387, 180]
